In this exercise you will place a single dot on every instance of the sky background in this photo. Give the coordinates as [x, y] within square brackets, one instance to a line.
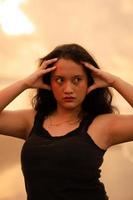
[29, 30]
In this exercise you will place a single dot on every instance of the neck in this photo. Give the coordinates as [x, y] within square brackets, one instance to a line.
[68, 114]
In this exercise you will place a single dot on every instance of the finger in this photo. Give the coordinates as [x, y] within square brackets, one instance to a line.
[89, 66]
[45, 71]
[48, 62]
[49, 69]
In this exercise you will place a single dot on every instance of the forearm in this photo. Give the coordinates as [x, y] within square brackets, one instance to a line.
[8, 94]
[125, 89]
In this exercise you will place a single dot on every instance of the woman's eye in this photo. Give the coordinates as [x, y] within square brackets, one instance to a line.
[77, 80]
[59, 80]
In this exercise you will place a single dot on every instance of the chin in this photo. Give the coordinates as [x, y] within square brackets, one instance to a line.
[70, 106]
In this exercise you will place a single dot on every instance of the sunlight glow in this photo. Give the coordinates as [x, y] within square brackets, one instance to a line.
[12, 19]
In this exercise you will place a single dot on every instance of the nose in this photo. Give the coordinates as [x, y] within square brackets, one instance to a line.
[68, 88]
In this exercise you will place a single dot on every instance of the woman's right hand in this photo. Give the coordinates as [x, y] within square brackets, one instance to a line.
[35, 80]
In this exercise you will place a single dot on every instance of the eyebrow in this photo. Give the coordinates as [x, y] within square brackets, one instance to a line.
[76, 75]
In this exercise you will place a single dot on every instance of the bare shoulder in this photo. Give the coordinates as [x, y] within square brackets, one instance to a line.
[29, 116]
[99, 130]
[110, 129]
[16, 123]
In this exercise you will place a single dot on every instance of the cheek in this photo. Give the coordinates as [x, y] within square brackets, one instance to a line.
[53, 85]
[82, 90]
[83, 87]
[55, 89]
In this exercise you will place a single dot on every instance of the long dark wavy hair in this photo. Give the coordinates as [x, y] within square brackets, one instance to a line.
[98, 101]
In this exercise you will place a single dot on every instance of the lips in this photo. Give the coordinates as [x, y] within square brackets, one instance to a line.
[69, 98]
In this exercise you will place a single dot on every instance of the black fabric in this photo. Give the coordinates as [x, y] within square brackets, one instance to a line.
[64, 167]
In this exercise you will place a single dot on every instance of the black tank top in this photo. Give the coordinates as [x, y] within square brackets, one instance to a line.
[64, 167]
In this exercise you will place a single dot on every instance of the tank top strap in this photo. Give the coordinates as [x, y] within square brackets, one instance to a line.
[39, 117]
[38, 120]
[85, 123]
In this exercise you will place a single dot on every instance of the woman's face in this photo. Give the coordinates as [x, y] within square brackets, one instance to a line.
[69, 84]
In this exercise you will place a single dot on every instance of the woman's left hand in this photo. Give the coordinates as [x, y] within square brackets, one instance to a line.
[101, 78]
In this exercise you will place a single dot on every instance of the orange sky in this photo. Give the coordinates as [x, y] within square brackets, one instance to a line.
[105, 28]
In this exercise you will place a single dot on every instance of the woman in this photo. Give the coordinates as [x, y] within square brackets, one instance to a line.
[70, 127]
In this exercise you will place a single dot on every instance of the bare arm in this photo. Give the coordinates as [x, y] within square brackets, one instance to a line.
[125, 89]
[12, 123]
[119, 127]
[8, 94]
[18, 123]
[105, 79]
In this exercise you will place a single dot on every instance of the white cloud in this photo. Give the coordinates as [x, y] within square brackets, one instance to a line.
[13, 20]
